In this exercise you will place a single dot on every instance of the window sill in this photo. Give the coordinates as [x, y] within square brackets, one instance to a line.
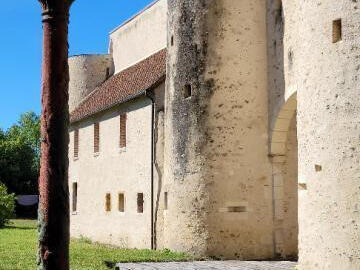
[122, 150]
[75, 159]
[96, 154]
[74, 213]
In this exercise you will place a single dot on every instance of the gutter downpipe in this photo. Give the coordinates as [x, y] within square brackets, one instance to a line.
[150, 96]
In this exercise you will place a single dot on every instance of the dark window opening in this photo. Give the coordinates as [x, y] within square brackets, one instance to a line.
[123, 121]
[108, 202]
[96, 137]
[140, 202]
[337, 30]
[166, 201]
[74, 196]
[236, 209]
[279, 12]
[172, 41]
[121, 202]
[187, 91]
[76, 143]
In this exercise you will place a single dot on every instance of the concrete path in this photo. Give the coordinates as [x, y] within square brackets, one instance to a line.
[215, 265]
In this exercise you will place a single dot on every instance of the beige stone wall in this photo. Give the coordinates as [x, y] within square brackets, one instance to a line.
[325, 75]
[86, 73]
[217, 168]
[113, 171]
[238, 115]
[140, 37]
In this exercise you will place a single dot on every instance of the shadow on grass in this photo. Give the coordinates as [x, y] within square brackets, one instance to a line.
[109, 265]
[9, 227]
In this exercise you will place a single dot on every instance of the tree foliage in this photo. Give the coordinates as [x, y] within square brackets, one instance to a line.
[20, 155]
[7, 205]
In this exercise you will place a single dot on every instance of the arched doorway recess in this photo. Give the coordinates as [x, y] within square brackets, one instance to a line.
[284, 154]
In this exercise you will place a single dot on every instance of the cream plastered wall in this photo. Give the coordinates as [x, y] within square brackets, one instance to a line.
[325, 75]
[140, 37]
[86, 73]
[113, 171]
[217, 168]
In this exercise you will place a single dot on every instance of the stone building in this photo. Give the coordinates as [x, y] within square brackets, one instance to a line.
[222, 128]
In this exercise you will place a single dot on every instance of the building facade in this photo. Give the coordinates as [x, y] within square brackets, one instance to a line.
[222, 128]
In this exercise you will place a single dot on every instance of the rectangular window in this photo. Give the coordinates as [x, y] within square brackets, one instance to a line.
[96, 137]
[187, 91]
[76, 143]
[165, 201]
[74, 196]
[121, 202]
[108, 202]
[140, 202]
[337, 30]
[123, 119]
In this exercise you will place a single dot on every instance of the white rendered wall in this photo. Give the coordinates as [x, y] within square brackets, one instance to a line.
[140, 37]
[113, 171]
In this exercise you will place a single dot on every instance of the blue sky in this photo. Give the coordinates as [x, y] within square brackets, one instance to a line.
[21, 39]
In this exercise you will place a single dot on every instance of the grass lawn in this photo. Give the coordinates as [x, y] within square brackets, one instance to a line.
[18, 246]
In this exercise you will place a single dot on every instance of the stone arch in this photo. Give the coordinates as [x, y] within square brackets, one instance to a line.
[283, 151]
[280, 129]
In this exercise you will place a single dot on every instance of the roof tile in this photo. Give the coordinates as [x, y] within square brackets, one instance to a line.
[123, 86]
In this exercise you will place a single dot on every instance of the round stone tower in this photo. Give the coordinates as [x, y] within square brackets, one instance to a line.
[217, 171]
[322, 62]
[86, 73]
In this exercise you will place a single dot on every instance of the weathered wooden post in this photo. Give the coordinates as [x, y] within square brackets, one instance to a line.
[53, 185]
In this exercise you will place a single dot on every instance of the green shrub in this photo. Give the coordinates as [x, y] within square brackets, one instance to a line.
[7, 205]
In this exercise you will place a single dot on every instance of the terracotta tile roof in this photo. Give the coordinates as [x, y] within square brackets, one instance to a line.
[125, 85]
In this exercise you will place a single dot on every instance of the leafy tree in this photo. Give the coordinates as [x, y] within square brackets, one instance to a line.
[27, 130]
[20, 155]
[2, 134]
[17, 166]
[7, 205]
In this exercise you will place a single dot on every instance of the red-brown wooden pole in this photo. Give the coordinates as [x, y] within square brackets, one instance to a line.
[53, 181]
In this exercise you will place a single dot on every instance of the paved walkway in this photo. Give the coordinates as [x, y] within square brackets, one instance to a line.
[215, 265]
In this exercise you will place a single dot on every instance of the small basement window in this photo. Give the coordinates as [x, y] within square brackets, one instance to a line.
[74, 196]
[187, 91]
[121, 202]
[337, 30]
[140, 202]
[108, 202]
